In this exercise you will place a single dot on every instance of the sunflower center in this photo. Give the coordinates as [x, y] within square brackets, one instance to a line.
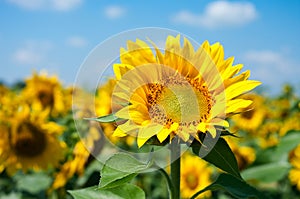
[180, 101]
[248, 114]
[191, 181]
[29, 141]
[46, 98]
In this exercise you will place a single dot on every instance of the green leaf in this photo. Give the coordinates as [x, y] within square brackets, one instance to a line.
[279, 152]
[267, 173]
[33, 183]
[126, 191]
[219, 155]
[234, 186]
[106, 119]
[119, 169]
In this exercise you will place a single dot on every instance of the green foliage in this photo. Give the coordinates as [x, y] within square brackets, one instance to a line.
[234, 186]
[33, 183]
[106, 119]
[219, 155]
[279, 152]
[119, 169]
[267, 172]
[125, 191]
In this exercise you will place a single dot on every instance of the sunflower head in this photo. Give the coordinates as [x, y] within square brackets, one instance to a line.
[195, 175]
[177, 92]
[47, 93]
[294, 174]
[253, 117]
[32, 141]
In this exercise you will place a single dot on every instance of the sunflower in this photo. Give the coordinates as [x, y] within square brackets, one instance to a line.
[72, 167]
[294, 174]
[268, 134]
[178, 92]
[195, 175]
[47, 92]
[251, 119]
[30, 142]
[245, 155]
[103, 106]
[91, 144]
[290, 123]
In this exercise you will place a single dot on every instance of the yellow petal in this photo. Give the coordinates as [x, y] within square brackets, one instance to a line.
[236, 104]
[147, 132]
[212, 131]
[121, 69]
[163, 134]
[202, 127]
[219, 122]
[119, 132]
[184, 135]
[123, 113]
[240, 88]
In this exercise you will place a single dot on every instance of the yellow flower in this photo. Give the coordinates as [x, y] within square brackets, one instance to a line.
[294, 174]
[250, 120]
[290, 123]
[82, 151]
[30, 142]
[195, 175]
[72, 167]
[47, 93]
[103, 106]
[268, 134]
[245, 155]
[177, 92]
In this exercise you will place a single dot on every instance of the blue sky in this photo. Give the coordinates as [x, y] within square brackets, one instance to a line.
[57, 35]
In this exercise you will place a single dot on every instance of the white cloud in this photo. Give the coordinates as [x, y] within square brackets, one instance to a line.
[114, 12]
[76, 41]
[58, 5]
[32, 53]
[219, 14]
[28, 4]
[65, 5]
[266, 57]
[272, 68]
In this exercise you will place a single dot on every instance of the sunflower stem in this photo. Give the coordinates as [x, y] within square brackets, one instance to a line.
[175, 167]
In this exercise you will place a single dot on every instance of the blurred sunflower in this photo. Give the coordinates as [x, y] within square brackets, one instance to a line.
[30, 142]
[47, 93]
[245, 155]
[103, 106]
[181, 92]
[251, 119]
[81, 154]
[294, 174]
[290, 123]
[72, 167]
[195, 175]
[268, 134]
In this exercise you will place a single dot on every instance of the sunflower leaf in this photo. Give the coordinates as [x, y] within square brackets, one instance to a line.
[236, 187]
[126, 191]
[219, 154]
[279, 152]
[40, 180]
[119, 169]
[271, 172]
[105, 119]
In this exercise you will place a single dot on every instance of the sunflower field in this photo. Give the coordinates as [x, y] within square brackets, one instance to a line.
[143, 136]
